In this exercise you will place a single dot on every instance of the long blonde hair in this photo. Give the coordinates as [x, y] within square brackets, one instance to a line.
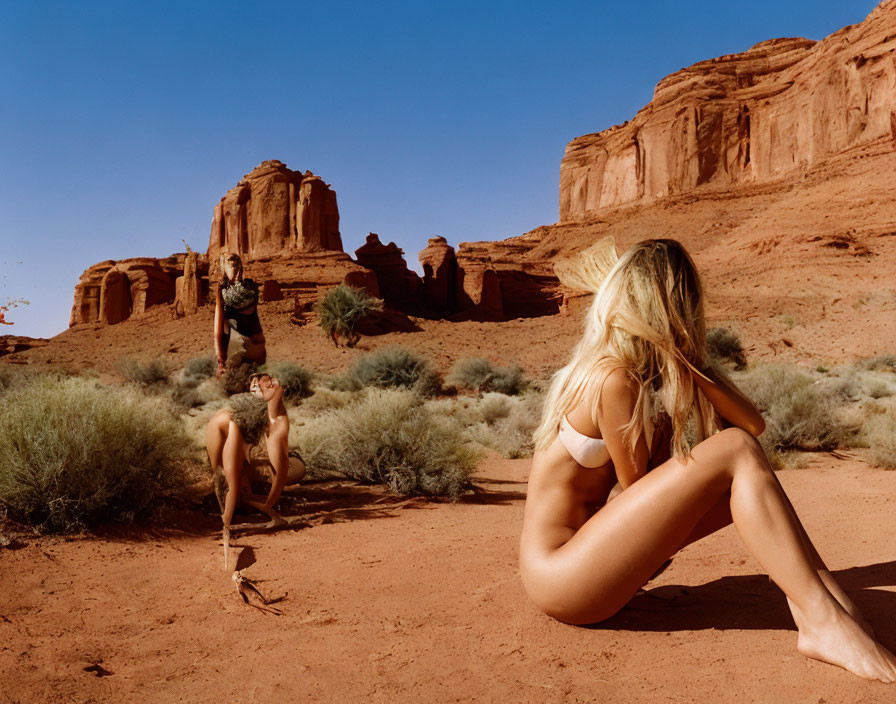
[646, 319]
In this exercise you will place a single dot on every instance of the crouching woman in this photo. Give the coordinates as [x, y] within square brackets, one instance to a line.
[228, 438]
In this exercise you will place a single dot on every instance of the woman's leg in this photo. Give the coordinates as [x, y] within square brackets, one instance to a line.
[719, 516]
[233, 457]
[621, 546]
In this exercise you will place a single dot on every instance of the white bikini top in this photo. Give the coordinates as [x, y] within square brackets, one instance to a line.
[592, 452]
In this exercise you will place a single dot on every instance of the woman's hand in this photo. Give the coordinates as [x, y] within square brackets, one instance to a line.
[221, 368]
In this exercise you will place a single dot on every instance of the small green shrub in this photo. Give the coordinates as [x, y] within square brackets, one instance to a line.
[800, 414]
[151, 373]
[73, 452]
[295, 379]
[341, 309]
[395, 367]
[724, 344]
[389, 437]
[478, 374]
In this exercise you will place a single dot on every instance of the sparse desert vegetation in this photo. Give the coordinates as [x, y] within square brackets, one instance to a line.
[480, 375]
[74, 452]
[341, 309]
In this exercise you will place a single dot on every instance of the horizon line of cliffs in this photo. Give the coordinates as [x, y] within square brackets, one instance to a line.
[775, 110]
[284, 224]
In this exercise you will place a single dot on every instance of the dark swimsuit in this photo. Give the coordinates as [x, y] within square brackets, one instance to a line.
[241, 307]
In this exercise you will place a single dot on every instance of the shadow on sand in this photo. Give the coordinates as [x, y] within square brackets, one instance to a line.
[752, 602]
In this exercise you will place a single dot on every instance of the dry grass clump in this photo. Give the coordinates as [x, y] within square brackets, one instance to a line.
[724, 344]
[478, 374]
[498, 422]
[341, 309]
[800, 413]
[395, 367]
[883, 363]
[295, 379]
[390, 437]
[151, 373]
[73, 452]
[880, 434]
[509, 434]
[198, 369]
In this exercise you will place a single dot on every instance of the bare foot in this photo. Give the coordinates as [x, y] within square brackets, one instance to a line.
[839, 640]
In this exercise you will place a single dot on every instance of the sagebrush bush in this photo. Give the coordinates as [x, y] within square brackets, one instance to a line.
[880, 434]
[340, 310]
[883, 363]
[800, 414]
[295, 379]
[478, 374]
[146, 373]
[11, 377]
[198, 369]
[73, 452]
[395, 367]
[390, 437]
[725, 344]
[508, 433]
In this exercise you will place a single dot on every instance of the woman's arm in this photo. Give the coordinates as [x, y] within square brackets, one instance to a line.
[220, 323]
[614, 410]
[729, 402]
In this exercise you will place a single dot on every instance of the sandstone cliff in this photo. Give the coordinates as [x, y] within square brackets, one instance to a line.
[285, 226]
[769, 113]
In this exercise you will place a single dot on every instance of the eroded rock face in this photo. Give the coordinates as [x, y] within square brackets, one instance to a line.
[189, 289]
[110, 292]
[399, 286]
[274, 210]
[439, 274]
[775, 110]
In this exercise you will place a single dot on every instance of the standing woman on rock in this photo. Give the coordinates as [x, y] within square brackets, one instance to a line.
[236, 308]
[582, 556]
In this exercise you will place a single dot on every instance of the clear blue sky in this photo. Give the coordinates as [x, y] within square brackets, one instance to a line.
[123, 123]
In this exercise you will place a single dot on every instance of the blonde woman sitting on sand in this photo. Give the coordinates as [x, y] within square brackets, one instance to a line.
[228, 438]
[583, 557]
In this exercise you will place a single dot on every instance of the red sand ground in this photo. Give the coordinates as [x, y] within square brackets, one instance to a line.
[385, 601]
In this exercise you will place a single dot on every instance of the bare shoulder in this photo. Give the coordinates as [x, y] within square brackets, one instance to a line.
[618, 388]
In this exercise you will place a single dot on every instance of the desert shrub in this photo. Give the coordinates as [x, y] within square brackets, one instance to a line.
[395, 367]
[478, 374]
[325, 399]
[390, 437]
[880, 434]
[73, 452]
[340, 310]
[295, 379]
[198, 369]
[724, 344]
[800, 414]
[508, 434]
[878, 389]
[11, 377]
[145, 373]
[883, 363]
